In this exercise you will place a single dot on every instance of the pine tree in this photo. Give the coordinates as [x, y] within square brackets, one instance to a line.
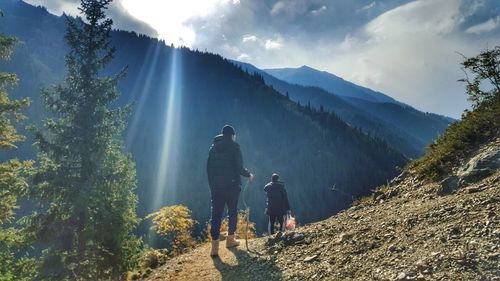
[84, 183]
[12, 173]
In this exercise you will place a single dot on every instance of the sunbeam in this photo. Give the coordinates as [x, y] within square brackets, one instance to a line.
[167, 168]
[142, 88]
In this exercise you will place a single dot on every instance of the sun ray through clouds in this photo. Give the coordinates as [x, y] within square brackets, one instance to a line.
[142, 88]
[166, 176]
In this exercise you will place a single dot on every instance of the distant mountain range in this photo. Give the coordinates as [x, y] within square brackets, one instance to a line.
[403, 127]
[182, 98]
[308, 76]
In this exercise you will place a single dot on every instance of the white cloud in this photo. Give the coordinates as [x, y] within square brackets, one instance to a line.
[366, 7]
[243, 57]
[57, 6]
[121, 17]
[249, 38]
[267, 44]
[486, 26]
[233, 51]
[419, 16]
[170, 18]
[272, 45]
[291, 8]
[319, 10]
[278, 7]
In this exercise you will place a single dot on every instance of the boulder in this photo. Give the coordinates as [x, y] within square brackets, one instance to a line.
[449, 184]
[480, 166]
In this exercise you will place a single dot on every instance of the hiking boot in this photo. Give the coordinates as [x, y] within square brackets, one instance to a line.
[214, 252]
[231, 241]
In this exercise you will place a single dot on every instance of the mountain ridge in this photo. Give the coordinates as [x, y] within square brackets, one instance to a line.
[308, 76]
[404, 132]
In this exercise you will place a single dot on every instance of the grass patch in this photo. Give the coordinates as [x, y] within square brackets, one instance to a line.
[459, 140]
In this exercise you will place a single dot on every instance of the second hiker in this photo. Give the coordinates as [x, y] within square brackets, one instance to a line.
[277, 203]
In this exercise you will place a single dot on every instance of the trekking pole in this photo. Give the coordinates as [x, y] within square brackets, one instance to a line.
[247, 214]
[335, 189]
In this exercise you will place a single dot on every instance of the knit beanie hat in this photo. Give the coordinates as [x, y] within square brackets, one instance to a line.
[275, 177]
[228, 131]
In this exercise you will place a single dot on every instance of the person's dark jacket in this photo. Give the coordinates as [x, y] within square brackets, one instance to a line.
[277, 198]
[225, 163]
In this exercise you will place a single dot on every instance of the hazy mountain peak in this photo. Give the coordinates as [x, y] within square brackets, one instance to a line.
[308, 76]
[305, 67]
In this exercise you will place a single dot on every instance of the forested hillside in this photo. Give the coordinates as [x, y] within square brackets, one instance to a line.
[401, 126]
[181, 100]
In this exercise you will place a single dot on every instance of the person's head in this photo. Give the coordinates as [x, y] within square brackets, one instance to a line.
[228, 131]
[275, 177]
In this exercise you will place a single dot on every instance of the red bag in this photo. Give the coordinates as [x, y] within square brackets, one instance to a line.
[290, 222]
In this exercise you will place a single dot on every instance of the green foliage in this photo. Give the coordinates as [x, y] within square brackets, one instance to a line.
[240, 227]
[12, 185]
[153, 258]
[362, 200]
[6, 45]
[149, 259]
[10, 110]
[476, 127]
[174, 224]
[14, 265]
[84, 183]
[484, 68]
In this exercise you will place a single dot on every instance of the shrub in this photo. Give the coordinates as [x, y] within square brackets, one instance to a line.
[153, 258]
[174, 225]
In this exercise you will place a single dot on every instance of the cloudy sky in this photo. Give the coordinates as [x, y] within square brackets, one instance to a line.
[407, 49]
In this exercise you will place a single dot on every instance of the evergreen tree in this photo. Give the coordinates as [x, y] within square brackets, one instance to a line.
[12, 180]
[84, 185]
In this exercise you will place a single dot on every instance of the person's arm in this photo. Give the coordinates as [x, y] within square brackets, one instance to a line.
[209, 168]
[239, 163]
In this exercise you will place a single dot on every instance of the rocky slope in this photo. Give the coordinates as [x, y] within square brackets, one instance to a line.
[409, 229]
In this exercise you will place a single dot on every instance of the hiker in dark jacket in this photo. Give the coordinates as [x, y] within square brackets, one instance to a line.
[224, 169]
[277, 202]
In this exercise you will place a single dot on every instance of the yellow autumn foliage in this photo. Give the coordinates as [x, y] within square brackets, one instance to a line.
[174, 224]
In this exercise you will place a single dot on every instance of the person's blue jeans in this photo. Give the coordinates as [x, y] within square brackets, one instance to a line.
[220, 198]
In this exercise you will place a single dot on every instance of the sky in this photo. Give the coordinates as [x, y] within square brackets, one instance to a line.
[410, 50]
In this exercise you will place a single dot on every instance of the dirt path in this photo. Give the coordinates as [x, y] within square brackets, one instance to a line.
[232, 264]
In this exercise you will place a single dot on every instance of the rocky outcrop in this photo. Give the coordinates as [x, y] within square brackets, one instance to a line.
[484, 163]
